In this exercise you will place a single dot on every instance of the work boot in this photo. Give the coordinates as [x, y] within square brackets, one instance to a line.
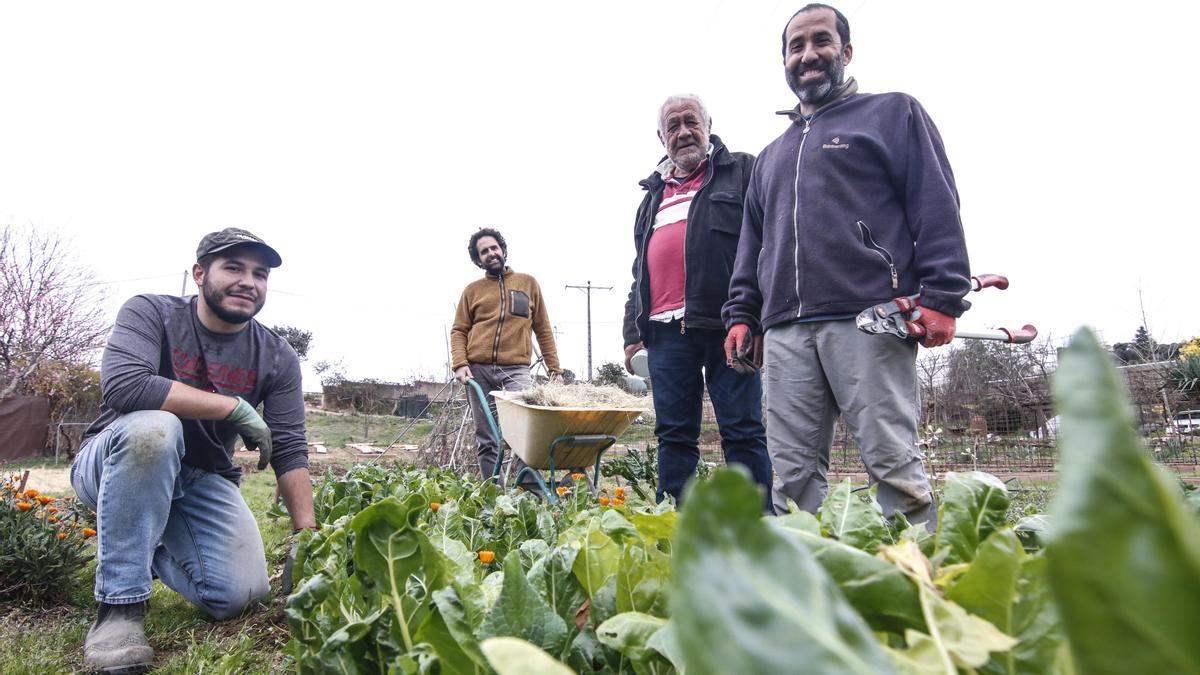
[116, 643]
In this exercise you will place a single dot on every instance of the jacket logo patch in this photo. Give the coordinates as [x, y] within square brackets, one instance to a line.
[835, 144]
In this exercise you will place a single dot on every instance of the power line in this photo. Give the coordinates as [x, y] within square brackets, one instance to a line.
[588, 289]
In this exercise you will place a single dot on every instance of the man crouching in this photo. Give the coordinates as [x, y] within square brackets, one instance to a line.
[181, 379]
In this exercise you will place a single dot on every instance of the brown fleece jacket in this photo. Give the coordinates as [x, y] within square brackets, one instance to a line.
[494, 320]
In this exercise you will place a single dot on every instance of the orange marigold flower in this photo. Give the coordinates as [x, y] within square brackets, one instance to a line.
[435, 505]
[487, 557]
[562, 490]
[62, 535]
[44, 499]
[24, 506]
[578, 476]
[52, 519]
[89, 532]
[93, 514]
[620, 501]
[31, 493]
[53, 509]
[604, 501]
[619, 492]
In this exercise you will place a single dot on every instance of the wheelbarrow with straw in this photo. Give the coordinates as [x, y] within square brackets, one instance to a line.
[552, 439]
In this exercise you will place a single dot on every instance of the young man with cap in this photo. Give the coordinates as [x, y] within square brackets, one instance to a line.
[181, 379]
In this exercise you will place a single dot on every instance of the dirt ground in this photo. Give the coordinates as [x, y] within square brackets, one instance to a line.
[53, 481]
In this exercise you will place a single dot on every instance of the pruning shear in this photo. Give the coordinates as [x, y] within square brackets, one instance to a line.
[898, 317]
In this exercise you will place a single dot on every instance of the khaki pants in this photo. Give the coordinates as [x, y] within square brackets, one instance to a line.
[818, 370]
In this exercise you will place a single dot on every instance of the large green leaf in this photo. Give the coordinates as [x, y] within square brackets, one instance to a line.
[852, 520]
[630, 633]
[459, 620]
[960, 639]
[553, 578]
[454, 657]
[883, 594]
[521, 612]
[1008, 588]
[513, 656]
[597, 560]
[387, 549]
[643, 577]
[1124, 552]
[974, 505]
[655, 526]
[666, 642]
[749, 600]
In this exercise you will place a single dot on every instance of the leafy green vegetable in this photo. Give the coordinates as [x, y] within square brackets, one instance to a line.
[974, 505]
[513, 656]
[1124, 552]
[852, 520]
[748, 600]
[521, 612]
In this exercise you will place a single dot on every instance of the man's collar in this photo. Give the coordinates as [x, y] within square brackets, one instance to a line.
[846, 90]
[507, 271]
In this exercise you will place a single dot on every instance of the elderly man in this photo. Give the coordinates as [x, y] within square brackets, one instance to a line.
[181, 380]
[853, 205]
[685, 236]
[490, 341]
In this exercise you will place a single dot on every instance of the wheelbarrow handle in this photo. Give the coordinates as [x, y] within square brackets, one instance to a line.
[487, 411]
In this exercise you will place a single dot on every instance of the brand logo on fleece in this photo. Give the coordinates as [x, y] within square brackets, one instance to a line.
[835, 144]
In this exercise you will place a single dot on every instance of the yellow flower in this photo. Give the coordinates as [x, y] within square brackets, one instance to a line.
[487, 557]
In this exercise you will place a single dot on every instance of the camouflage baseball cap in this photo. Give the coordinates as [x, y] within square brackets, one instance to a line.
[214, 242]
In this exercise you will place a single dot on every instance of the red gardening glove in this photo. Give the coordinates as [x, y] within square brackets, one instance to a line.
[937, 328]
[736, 341]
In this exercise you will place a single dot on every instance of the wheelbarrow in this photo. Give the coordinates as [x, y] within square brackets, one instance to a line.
[552, 439]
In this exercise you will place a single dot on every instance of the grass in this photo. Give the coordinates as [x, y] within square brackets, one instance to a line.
[184, 639]
[338, 430]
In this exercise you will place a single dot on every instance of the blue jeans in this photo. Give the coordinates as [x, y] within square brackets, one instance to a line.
[191, 526]
[680, 366]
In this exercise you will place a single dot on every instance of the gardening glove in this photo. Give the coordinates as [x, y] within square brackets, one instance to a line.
[253, 430]
[937, 328]
[289, 563]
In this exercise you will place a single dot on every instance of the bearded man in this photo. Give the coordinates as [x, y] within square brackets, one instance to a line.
[853, 205]
[491, 343]
[181, 379]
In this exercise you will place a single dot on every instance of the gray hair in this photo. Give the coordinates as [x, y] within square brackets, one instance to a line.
[680, 98]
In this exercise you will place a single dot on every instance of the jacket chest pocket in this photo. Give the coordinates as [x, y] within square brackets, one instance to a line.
[518, 304]
[726, 213]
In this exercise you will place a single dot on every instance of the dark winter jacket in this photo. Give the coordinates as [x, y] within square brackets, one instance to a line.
[710, 245]
[852, 208]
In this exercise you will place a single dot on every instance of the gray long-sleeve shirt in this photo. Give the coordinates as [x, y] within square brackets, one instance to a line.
[159, 339]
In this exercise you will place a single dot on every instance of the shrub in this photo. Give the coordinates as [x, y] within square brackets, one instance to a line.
[43, 542]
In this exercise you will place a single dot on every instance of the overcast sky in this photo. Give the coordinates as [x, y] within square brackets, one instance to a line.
[366, 141]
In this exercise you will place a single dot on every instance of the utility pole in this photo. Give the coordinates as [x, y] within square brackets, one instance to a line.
[588, 289]
[183, 290]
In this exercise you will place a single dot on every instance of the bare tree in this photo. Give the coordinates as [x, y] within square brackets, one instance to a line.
[50, 309]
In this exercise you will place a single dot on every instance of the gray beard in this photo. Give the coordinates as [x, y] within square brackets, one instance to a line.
[819, 93]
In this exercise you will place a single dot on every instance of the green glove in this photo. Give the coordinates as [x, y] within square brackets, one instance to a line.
[253, 430]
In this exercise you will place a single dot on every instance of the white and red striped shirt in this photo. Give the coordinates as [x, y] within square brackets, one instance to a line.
[664, 255]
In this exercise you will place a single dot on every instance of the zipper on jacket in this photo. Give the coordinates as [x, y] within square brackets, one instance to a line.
[796, 215]
[499, 324]
[883, 253]
[682, 325]
[687, 233]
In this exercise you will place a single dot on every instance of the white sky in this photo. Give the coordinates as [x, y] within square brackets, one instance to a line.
[366, 141]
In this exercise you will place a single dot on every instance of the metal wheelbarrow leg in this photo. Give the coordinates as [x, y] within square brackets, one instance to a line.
[551, 495]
